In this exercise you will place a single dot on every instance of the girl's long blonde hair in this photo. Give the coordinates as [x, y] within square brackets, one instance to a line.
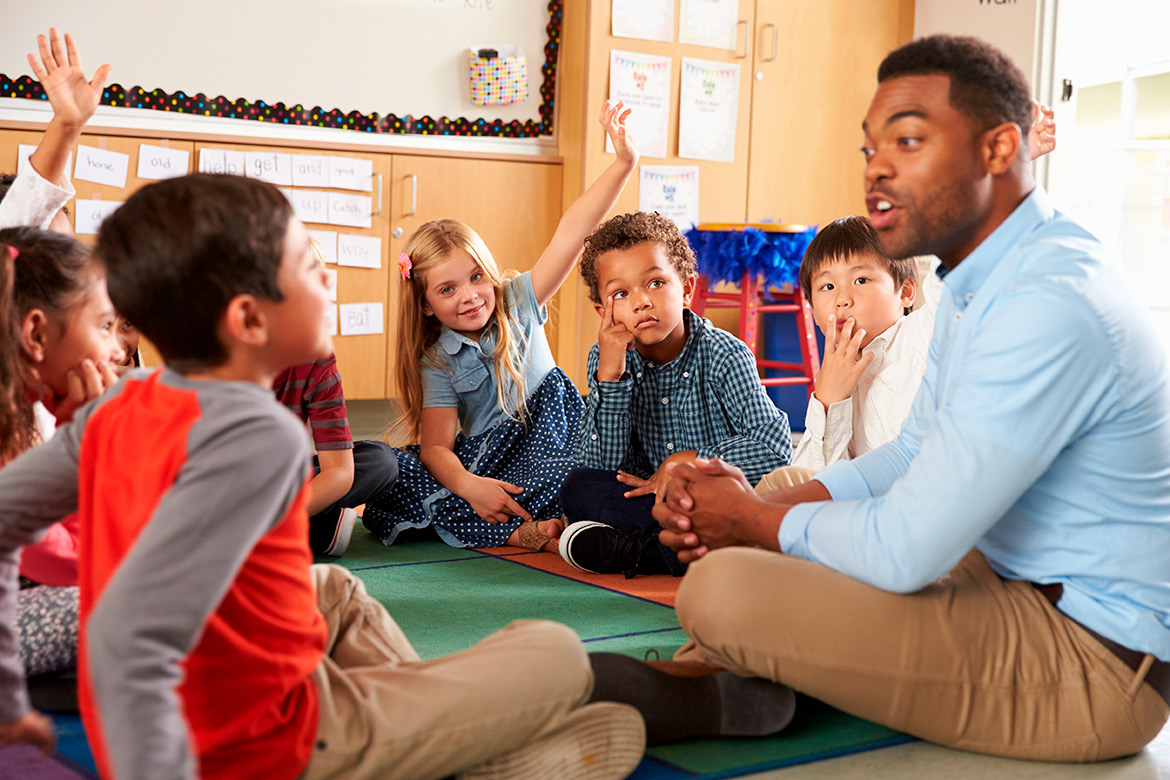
[429, 246]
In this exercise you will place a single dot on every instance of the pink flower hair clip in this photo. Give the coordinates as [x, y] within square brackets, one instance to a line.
[13, 252]
[404, 265]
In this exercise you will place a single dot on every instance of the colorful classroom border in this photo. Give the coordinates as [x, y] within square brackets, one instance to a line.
[280, 114]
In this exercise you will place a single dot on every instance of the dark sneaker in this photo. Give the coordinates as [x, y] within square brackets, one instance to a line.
[602, 549]
[342, 533]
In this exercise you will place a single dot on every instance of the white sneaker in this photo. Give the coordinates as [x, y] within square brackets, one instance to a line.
[599, 741]
[342, 533]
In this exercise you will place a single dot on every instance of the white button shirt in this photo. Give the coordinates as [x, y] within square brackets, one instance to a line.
[880, 403]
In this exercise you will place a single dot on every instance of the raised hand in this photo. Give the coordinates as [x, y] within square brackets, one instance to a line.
[614, 340]
[492, 500]
[613, 119]
[62, 77]
[1042, 133]
[32, 728]
[844, 363]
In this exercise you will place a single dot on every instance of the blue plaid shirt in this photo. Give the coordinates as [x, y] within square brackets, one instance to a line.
[708, 399]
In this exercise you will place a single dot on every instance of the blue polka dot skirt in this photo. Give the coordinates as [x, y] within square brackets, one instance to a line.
[535, 455]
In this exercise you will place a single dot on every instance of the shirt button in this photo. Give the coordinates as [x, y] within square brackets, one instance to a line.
[970, 296]
[639, 374]
[686, 375]
[665, 400]
[669, 446]
[869, 380]
[594, 437]
[958, 316]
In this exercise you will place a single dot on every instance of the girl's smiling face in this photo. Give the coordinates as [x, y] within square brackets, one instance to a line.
[459, 295]
[83, 332]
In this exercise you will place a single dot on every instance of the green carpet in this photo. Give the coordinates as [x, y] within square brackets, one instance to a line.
[447, 599]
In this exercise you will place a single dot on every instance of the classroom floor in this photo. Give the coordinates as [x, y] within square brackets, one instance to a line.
[369, 419]
[923, 760]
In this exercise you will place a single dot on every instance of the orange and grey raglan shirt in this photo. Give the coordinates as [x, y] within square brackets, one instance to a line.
[199, 621]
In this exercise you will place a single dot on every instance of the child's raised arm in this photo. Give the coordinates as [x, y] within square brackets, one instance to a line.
[586, 213]
[73, 99]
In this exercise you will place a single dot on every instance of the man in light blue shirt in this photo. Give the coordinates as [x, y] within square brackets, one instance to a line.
[998, 577]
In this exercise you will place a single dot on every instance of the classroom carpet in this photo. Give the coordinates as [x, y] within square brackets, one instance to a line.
[447, 599]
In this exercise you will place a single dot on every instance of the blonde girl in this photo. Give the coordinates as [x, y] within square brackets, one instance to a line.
[490, 419]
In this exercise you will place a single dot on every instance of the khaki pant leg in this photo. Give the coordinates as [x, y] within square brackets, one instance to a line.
[973, 661]
[386, 714]
[785, 476]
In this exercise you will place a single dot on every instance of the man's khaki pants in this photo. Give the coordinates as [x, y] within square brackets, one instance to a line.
[973, 661]
[386, 714]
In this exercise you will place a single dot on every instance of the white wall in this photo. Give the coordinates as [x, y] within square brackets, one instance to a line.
[1010, 25]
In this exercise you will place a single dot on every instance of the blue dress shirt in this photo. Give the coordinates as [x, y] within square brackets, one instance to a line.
[1040, 436]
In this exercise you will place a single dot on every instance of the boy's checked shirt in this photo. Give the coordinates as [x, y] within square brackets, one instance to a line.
[708, 399]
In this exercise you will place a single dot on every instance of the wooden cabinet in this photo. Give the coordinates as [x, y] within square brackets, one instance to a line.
[513, 204]
[807, 71]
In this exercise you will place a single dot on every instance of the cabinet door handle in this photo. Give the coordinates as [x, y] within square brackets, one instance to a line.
[378, 176]
[775, 41]
[413, 195]
[747, 38]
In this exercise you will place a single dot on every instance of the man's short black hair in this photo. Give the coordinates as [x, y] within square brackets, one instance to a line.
[180, 249]
[986, 86]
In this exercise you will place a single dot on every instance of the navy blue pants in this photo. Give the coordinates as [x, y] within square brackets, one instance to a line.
[595, 494]
[375, 468]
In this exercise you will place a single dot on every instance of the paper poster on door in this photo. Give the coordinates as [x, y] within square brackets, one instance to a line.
[672, 191]
[650, 20]
[359, 251]
[360, 319]
[328, 241]
[272, 167]
[221, 161]
[642, 82]
[708, 106]
[88, 214]
[160, 162]
[101, 166]
[708, 23]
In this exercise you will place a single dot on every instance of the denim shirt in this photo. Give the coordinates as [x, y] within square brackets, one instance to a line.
[461, 372]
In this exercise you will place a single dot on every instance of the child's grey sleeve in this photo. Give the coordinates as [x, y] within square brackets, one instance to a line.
[243, 472]
[36, 490]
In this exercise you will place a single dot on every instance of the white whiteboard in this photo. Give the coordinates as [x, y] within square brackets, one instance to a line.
[402, 57]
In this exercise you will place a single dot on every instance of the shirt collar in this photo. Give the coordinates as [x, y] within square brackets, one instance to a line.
[696, 327]
[451, 342]
[964, 281]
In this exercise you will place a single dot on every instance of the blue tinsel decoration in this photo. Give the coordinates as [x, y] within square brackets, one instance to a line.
[724, 255]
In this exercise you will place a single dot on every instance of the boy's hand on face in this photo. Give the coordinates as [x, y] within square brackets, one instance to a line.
[492, 500]
[614, 340]
[613, 119]
[32, 728]
[62, 77]
[843, 365]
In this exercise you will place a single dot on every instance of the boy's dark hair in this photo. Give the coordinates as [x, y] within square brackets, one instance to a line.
[629, 230]
[851, 237]
[180, 249]
[986, 86]
[6, 180]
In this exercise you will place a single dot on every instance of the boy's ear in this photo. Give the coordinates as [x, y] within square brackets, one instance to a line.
[34, 334]
[906, 294]
[690, 284]
[244, 321]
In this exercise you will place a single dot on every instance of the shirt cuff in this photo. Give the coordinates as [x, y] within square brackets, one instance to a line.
[794, 529]
[844, 482]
